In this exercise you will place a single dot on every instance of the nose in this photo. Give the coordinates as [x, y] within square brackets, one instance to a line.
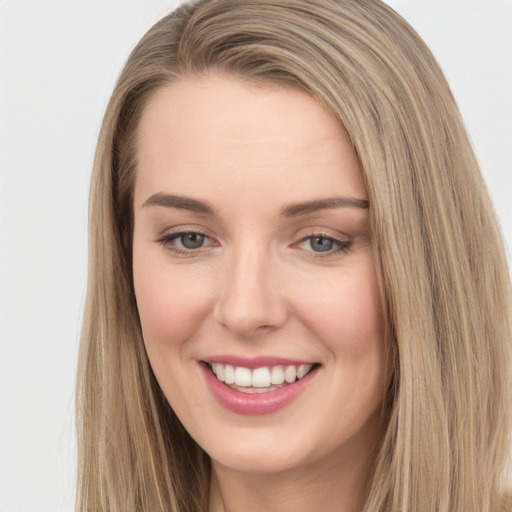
[250, 301]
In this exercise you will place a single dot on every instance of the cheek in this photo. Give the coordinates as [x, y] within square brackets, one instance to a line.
[345, 311]
[171, 305]
[346, 314]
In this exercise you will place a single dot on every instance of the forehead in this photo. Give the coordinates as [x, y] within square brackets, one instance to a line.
[210, 132]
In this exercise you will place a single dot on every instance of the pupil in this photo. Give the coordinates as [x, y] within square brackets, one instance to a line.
[321, 244]
[192, 240]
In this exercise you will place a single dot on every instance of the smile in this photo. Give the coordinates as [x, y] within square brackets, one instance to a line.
[257, 387]
[259, 380]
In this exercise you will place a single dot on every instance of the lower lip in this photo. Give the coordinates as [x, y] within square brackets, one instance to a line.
[255, 403]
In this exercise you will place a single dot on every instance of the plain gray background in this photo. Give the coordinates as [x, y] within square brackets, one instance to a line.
[58, 64]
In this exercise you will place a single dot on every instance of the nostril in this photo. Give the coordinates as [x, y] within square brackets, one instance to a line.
[249, 322]
[249, 302]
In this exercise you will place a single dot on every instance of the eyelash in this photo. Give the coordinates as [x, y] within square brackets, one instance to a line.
[339, 245]
[168, 239]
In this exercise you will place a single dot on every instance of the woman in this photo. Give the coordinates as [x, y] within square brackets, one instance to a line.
[298, 295]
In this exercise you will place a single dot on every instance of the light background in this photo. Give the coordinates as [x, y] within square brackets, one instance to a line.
[58, 64]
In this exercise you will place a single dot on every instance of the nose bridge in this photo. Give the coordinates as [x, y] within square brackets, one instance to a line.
[250, 299]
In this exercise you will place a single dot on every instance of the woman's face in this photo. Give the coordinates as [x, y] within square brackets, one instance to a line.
[252, 259]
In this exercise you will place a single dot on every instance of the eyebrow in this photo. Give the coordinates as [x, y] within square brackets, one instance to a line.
[180, 202]
[292, 210]
[330, 203]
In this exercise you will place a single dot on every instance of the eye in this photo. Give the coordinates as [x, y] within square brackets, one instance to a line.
[320, 243]
[323, 245]
[191, 240]
[185, 242]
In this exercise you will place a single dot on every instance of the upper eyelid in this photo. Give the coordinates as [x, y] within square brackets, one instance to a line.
[181, 230]
[335, 239]
[341, 237]
[176, 234]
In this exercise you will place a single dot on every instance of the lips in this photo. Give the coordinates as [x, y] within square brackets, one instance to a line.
[258, 385]
[262, 378]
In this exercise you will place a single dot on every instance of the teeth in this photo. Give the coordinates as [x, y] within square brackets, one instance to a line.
[229, 374]
[290, 374]
[242, 376]
[277, 376]
[302, 370]
[265, 377]
[260, 378]
[219, 372]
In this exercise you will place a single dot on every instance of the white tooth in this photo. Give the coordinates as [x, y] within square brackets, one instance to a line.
[303, 369]
[261, 378]
[242, 376]
[219, 371]
[290, 374]
[229, 374]
[277, 376]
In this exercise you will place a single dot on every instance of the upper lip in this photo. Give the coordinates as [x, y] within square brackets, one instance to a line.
[255, 362]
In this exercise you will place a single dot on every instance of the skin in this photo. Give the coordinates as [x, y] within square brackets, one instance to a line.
[257, 286]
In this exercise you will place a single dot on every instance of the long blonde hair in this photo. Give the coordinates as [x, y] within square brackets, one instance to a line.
[440, 259]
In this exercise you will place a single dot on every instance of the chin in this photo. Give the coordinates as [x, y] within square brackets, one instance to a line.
[258, 458]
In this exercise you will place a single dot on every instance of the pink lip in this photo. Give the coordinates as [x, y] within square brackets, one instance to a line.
[254, 362]
[255, 403]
